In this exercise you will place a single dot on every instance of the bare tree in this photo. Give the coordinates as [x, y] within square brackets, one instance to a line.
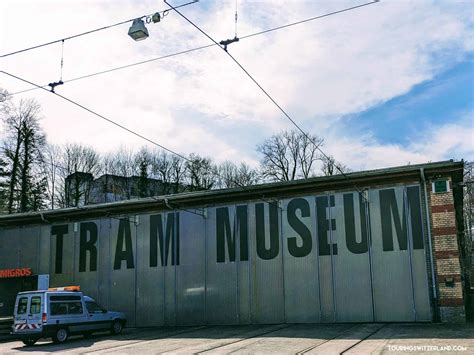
[4, 96]
[142, 162]
[231, 175]
[247, 176]
[200, 172]
[32, 188]
[178, 174]
[332, 167]
[79, 166]
[227, 171]
[289, 155]
[107, 168]
[4, 174]
[50, 158]
[21, 150]
[124, 166]
[162, 169]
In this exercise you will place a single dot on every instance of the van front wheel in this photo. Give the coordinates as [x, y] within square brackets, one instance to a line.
[117, 327]
[60, 336]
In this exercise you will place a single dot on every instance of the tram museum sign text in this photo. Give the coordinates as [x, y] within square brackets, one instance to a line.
[164, 231]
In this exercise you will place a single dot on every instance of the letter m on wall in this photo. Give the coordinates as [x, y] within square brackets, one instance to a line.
[226, 235]
[164, 231]
[400, 212]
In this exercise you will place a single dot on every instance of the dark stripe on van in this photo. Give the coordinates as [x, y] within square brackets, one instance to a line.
[65, 298]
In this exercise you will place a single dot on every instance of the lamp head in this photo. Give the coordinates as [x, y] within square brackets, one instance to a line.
[138, 30]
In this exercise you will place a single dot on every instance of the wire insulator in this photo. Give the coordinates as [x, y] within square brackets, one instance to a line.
[236, 16]
[62, 61]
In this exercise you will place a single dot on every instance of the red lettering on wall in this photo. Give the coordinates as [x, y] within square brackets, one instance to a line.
[20, 272]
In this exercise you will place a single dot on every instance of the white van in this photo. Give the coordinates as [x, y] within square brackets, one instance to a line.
[58, 313]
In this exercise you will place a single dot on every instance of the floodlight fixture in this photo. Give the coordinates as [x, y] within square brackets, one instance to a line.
[138, 31]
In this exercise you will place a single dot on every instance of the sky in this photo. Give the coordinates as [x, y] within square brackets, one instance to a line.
[387, 84]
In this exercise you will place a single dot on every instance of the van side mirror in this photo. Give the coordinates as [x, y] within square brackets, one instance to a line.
[104, 310]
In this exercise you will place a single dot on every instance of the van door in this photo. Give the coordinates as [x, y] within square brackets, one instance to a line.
[21, 311]
[67, 309]
[35, 311]
[27, 316]
[97, 317]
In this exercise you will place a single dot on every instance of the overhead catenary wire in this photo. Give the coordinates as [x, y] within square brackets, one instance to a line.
[95, 114]
[115, 69]
[75, 103]
[266, 93]
[201, 47]
[316, 144]
[311, 19]
[89, 32]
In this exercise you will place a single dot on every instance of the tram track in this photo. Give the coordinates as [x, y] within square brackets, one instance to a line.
[344, 337]
[144, 340]
[304, 351]
[341, 335]
[363, 339]
[244, 339]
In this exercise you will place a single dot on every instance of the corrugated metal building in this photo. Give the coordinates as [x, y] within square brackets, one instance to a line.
[361, 248]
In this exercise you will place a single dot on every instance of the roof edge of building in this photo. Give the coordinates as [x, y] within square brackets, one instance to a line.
[359, 179]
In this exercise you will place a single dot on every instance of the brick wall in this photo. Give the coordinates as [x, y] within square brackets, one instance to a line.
[446, 254]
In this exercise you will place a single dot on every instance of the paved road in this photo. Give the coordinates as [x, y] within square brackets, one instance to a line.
[276, 339]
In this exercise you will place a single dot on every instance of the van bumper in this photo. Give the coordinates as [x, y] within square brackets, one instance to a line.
[44, 332]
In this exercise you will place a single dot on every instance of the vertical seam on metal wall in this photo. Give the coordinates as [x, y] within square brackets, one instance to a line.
[250, 243]
[280, 219]
[74, 252]
[99, 231]
[430, 252]
[18, 249]
[110, 267]
[236, 230]
[368, 228]
[425, 254]
[176, 222]
[136, 266]
[331, 250]
[318, 258]
[50, 268]
[206, 320]
[161, 255]
[38, 253]
[409, 236]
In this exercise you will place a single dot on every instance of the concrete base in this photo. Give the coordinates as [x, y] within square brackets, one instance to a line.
[452, 314]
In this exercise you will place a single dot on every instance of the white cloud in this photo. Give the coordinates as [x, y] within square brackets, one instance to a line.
[317, 71]
[437, 142]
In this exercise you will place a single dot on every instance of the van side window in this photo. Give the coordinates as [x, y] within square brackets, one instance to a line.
[58, 308]
[75, 308]
[62, 308]
[93, 307]
[35, 305]
[22, 305]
